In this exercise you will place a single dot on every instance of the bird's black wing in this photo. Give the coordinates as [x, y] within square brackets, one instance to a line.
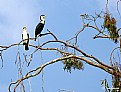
[26, 45]
[38, 26]
[22, 36]
[39, 29]
[28, 38]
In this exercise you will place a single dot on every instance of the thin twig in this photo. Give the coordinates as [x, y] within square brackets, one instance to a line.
[118, 8]
[1, 59]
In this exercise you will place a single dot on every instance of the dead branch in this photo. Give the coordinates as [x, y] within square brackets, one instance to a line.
[99, 64]
[47, 34]
[118, 8]
[71, 46]
[40, 68]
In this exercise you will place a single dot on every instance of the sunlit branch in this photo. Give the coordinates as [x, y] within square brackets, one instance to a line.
[38, 72]
[40, 68]
[50, 34]
[86, 55]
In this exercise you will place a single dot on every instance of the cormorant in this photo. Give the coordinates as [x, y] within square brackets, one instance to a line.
[25, 38]
[40, 26]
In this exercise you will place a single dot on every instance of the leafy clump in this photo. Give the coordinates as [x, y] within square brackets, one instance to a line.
[72, 63]
[110, 24]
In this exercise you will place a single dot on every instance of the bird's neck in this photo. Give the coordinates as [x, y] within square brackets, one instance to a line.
[24, 30]
[42, 21]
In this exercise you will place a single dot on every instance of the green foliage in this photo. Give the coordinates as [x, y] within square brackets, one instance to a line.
[72, 63]
[110, 24]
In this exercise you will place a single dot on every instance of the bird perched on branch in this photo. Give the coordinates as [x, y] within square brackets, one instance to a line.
[40, 26]
[25, 38]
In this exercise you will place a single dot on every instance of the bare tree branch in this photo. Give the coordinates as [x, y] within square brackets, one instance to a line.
[40, 68]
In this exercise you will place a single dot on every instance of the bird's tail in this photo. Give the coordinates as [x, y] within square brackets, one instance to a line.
[26, 47]
[39, 35]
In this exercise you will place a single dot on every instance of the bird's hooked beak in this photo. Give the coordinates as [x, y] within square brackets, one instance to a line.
[44, 16]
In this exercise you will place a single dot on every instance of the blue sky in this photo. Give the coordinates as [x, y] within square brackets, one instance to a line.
[63, 19]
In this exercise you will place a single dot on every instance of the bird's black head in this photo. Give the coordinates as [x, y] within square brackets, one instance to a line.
[42, 17]
[24, 28]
